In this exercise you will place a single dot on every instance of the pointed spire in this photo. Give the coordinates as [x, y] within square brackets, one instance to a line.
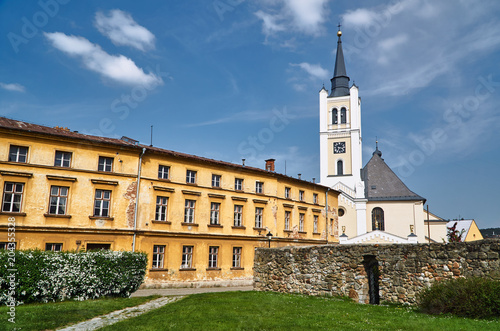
[379, 153]
[340, 80]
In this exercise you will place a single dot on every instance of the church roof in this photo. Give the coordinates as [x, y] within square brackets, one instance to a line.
[340, 80]
[382, 184]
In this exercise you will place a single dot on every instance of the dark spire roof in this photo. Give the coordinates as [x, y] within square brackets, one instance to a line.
[379, 153]
[340, 80]
[382, 184]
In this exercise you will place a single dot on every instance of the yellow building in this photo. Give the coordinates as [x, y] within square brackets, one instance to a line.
[197, 219]
[468, 229]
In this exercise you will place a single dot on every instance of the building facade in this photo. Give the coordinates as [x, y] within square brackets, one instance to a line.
[197, 219]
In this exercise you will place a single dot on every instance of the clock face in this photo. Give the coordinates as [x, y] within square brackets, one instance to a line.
[339, 147]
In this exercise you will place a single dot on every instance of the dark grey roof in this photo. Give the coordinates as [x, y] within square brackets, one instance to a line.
[382, 184]
[340, 80]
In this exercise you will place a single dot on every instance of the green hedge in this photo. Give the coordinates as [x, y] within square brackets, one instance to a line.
[467, 297]
[39, 276]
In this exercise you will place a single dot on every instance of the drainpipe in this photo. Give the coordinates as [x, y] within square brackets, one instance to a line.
[137, 196]
[326, 212]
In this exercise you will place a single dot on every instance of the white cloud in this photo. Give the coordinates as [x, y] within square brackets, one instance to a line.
[314, 70]
[293, 15]
[12, 87]
[116, 67]
[121, 28]
[388, 44]
[358, 17]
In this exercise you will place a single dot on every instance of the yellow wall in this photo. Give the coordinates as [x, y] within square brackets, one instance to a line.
[474, 234]
[76, 229]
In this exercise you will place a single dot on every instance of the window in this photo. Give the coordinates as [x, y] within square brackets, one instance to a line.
[8, 245]
[98, 246]
[378, 219]
[236, 257]
[238, 215]
[161, 209]
[63, 159]
[158, 256]
[343, 116]
[191, 177]
[105, 164]
[187, 257]
[340, 168]
[189, 211]
[18, 154]
[214, 213]
[53, 247]
[315, 224]
[58, 200]
[12, 197]
[259, 187]
[238, 184]
[213, 255]
[163, 172]
[315, 197]
[287, 220]
[335, 114]
[301, 222]
[341, 212]
[301, 195]
[287, 192]
[258, 217]
[102, 203]
[216, 180]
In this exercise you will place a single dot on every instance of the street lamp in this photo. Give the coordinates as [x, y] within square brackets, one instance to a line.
[269, 236]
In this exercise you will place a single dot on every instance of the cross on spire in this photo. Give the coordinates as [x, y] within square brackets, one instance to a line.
[339, 26]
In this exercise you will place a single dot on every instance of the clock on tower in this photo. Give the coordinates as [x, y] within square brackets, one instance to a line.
[339, 147]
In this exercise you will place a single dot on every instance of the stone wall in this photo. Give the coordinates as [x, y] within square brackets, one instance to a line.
[399, 271]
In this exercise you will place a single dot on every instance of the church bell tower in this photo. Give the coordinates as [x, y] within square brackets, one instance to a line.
[340, 130]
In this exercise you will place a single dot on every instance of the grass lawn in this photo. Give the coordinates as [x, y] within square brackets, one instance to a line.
[274, 311]
[48, 316]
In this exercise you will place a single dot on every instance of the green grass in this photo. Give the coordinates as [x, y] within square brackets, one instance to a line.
[274, 311]
[48, 316]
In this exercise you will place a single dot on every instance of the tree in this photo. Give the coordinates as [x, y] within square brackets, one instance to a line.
[455, 236]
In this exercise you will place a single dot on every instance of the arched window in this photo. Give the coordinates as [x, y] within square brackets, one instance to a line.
[340, 168]
[378, 219]
[335, 114]
[343, 116]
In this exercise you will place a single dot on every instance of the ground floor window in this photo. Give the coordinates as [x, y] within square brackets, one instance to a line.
[93, 247]
[236, 257]
[158, 256]
[213, 257]
[187, 257]
[53, 247]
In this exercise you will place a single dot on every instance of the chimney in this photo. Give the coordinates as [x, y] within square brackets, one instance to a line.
[314, 180]
[299, 176]
[243, 162]
[270, 165]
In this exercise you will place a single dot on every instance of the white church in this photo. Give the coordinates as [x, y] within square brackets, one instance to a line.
[375, 206]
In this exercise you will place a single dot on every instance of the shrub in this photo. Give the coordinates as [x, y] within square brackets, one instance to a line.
[52, 276]
[466, 297]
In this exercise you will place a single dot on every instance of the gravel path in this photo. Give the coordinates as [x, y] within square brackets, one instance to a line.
[119, 315]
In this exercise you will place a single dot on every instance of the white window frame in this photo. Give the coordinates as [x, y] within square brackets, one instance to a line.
[214, 213]
[63, 159]
[161, 209]
[13, 197]
[163, 172]
[17, 155]
[99, 202]
[301, 222]
[105, 164]
[301, 195]
[213, 257]
[190, 176]
[187, 257]
[189, 211]
[158, 260]
[287, 219]
[53, 247]
[259, 187]
[259, 216]
[288, 191]
[315, 197]
[315, 224]
[58, 199]
[237, 257]
[216, 180]
[238, 215]
[238, 184]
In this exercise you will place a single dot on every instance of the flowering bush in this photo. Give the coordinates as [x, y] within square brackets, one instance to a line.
[53, 276]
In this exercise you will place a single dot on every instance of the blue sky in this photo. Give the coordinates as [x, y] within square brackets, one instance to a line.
[233, 79]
